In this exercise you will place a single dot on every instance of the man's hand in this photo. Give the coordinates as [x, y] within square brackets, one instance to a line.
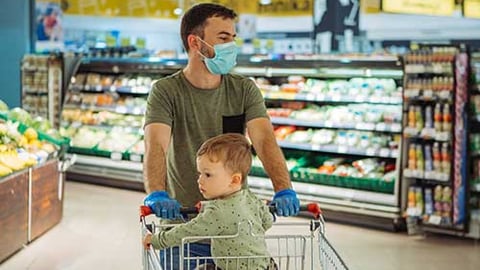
[162, 205]
[286, 203]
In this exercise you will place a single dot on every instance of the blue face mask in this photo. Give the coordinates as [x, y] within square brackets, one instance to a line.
[224, 60]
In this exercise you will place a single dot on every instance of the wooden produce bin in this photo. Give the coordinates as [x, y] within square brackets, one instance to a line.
[13, 213]
[31, 202]
[47, 198]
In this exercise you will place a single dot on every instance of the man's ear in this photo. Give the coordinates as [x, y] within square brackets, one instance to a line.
[237, 179]
[193, 42]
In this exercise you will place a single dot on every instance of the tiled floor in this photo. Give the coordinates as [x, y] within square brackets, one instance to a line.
[100, 230]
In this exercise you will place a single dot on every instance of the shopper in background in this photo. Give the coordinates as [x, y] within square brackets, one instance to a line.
[199, 102]
[223, 163]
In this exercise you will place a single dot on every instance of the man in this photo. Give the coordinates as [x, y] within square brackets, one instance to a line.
[199, 102]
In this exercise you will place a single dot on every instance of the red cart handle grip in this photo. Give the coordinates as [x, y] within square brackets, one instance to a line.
[146, 211]
[312, 208]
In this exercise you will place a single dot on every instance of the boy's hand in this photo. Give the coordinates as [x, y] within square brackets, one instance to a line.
[147, 241]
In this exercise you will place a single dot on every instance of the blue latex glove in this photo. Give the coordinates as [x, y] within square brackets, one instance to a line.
[286, 203]
[162, 205]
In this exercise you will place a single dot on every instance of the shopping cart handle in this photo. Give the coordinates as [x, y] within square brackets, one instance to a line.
[146, 211]
[312, 208]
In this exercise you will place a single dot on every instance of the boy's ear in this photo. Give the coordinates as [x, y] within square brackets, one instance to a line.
[237, 178]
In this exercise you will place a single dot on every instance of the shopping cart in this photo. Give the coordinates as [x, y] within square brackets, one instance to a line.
[305, 246]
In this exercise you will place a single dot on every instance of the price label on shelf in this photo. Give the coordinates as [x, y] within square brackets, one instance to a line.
[385, 152]
[316, 147]
[328, 124]
[116, 156]
[434, 219]
[121, 109]
[135, 157]
[375, 99]
[396, 127]
[320, 97]
[442, 136]
[310, 97]
[342, 149]
[381, 127]
[394, 153]
[360, 99]
[371, 152]
[137, 110]
[427, 94]
[336, 98]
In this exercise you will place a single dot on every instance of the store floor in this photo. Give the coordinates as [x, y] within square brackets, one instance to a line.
[100, 230]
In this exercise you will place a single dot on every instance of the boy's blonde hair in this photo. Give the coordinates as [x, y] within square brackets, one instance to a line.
[232, 149]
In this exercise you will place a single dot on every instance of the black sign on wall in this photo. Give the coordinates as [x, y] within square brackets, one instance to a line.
[335, 24]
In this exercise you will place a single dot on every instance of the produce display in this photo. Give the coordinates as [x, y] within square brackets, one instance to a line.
[20, 145]
[354, 89]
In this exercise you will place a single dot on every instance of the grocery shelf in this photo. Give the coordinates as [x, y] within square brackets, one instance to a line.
[115, 109]
[341, 149]
[98, 170]
[317, 97]
[380, 127]
[349, 200]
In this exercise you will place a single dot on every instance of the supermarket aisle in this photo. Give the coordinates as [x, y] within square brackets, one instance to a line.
[100, 230]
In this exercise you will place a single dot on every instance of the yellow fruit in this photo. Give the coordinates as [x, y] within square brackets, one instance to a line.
[23, 141]
[30, 134]
[12, 161]
[4, 170]
[35, 144]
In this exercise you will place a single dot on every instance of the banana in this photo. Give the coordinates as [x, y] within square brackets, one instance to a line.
[4, 170]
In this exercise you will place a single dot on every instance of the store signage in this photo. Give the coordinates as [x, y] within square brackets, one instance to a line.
[171, 9]
[471, 8]
[424, 7]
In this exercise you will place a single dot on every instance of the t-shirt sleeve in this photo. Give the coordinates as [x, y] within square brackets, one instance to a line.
[207, 223]
[255, 104]
[159, 104]
[267, 217]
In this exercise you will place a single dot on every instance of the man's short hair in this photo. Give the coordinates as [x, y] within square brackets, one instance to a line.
[232, 149]
[195, 19]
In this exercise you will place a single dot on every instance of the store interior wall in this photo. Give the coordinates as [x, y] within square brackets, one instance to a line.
[15, 42]
[387, 26]
[164, 34]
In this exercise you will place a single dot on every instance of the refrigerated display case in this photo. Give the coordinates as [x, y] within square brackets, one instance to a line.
[103, 116]
[338, 121]
[435, 131]
[474, 147]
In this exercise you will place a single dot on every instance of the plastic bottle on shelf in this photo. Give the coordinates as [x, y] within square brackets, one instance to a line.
[411, 116]
[437, 158]
[446, 159]
[428, 201]
[420, 164]
[418, 118]
[411, 197]
[428, 158]
[428, 117]
[419, 201]
[412, 161]
[447, 118]
[438, 117]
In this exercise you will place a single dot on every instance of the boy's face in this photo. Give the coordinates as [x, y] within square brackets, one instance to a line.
[214, 181]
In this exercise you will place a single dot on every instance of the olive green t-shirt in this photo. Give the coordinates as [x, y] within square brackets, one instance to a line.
[196, 115]
[241, 213]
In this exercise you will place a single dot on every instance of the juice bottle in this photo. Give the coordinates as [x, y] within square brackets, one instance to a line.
[420, 164]
[446, 159]
[437, 117]
[428, 158]
[411, 197]
[412, 161]
[447, 118]
[437, 158]
[418, 118]
[428, 117]
[411, 116]
[419, 200]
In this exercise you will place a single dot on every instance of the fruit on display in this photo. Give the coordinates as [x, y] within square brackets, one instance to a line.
[88, 137]
[118, 140]
[3, 106]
